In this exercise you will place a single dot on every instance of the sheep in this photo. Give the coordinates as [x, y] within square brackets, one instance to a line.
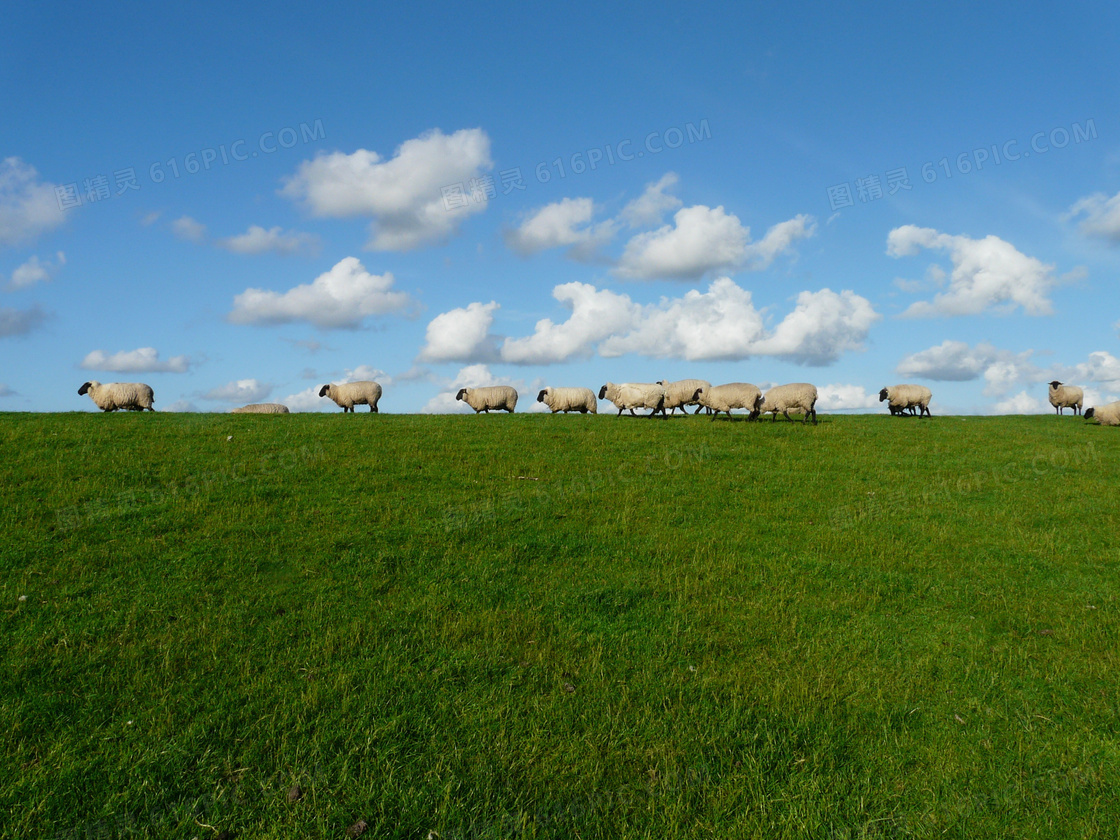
[350, 394]
[262, 408]
[1107, 415]
[682, 393]
[798, 395]
[569, 399]
[133, 396]
[733, 395]
[495, 397]
[631, 395]
[904, 397]
[1066, 396]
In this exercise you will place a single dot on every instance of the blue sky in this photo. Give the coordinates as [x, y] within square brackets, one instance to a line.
[241, 204]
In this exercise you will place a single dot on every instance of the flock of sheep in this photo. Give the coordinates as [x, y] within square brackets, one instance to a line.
[661, 396]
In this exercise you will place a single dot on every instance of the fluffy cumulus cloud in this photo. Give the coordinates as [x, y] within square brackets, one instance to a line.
[988, 274]
[838, 397]
[476, 376]
[1102, 216]
[239, 391]
[338, 299]
[650, 207]
[143, 360]
[956, 361]
[704, 239]
[20, 321]
[564, 224]
[1022, 403]
[419, 196]
[36, 271]
[461, 335]
[257, 240]
[187, 228]
[1101, 366]
[720, 323]
[28, 207]
[596, 315]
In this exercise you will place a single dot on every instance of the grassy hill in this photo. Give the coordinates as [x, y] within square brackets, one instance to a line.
[533, 626]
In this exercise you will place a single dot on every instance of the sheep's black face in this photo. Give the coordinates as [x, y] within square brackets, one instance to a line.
[882, 395]
[82, 391]
[323, 390]
[1055, 384]
[1089, 412]
[462, 393]
[540, 397]
[603, 393]
[696, 394]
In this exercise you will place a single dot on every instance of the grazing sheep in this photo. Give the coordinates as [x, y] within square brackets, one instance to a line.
[1107, 415]
[569, 399]
[132, 396]
[262, 408]
[351, 394]
[497, 397]
[907, 397]
[799, 396]
[631, 395]
[682, 393]
[1066, 396]
[732, 395]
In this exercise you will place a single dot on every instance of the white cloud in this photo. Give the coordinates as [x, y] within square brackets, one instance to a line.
[20, 321]
[461, 335]
[187, 228]
[703, 239]
[823, 326]
[956, 361]
[180, 406]
[149, 219]
[239, 391]
[1102, 216]
[988, 273]
[5, 391]
[404, 195]
[566, 223]
[309, 400]
[596, 315]
[36, 271]
[257, 240]
[472, 376]
[338, 299]
[651, 206]
[142, 360]
[836, 397]
[1022, 403]
[28, 207]
[1102, 366]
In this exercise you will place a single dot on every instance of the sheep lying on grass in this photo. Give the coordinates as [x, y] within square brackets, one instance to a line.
[682, 393]
[1066, 396]
[262, 408]
[569, 399]
[1106, 415]
[732, 395]
[798, 396]
[497, 397]
[631, 395]
[904, 397]
[131, 396]
[351, 394]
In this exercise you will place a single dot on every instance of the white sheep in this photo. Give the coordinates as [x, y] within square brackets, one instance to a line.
[350, 394]
[1107, 415]
[631, 395]
[799, 396]
[682, 393]
[732, 395]
[904, 397]
[262, 408]
[132, 396]
[569, 399]
[497, 397]
[1066, 396]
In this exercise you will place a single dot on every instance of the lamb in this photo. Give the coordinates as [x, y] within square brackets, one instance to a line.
[1107, 415]
[569, 399]
[262, 408]
[800, 396]
[350, 394]
[733, 395]
[133, 396]
[495, 397]
[682, 393]
[904, 397]
[1066, 396]
[631, 395]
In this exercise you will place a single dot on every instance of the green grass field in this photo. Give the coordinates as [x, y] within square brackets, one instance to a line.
[532, 626]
